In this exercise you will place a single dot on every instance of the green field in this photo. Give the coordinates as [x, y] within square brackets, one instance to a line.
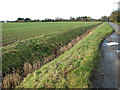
[32, 51]
[13, 32]
[72, 69]
[37, 48]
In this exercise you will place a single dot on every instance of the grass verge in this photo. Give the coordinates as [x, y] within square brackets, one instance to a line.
[72, 69]
[117, 23]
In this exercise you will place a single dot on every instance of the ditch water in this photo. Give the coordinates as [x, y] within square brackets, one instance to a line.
[107, 75]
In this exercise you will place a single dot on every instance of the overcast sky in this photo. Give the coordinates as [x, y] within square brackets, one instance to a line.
[41, 9]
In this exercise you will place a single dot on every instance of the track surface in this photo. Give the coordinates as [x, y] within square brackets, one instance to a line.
[108, 73]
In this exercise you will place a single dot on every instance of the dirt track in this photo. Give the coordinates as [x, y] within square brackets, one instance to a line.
[107, 75]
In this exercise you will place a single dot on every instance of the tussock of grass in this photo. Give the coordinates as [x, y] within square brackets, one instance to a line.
[72, 69]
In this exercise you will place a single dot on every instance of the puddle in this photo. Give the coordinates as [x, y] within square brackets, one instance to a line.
[112, 36]
[110, 44]
[118, 51]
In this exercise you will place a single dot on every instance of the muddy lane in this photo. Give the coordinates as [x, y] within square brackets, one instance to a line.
[107, 75]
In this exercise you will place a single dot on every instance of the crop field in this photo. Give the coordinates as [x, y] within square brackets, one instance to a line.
[59, 44]
[29, 54]
[72, 69]
[41, 46]
[13, 32]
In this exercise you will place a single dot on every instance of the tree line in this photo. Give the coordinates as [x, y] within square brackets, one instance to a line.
[114, 17]
[82, 18]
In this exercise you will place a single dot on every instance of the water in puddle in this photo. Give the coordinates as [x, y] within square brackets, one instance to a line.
[110, 43]
[112, 36]
[118, 51]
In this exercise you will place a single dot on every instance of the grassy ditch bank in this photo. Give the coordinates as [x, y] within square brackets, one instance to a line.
[73, 68]
[26, 56]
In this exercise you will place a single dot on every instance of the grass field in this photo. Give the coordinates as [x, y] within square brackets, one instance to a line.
[37, 48]
[13, 32]
[27, 55]
[72, 69]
